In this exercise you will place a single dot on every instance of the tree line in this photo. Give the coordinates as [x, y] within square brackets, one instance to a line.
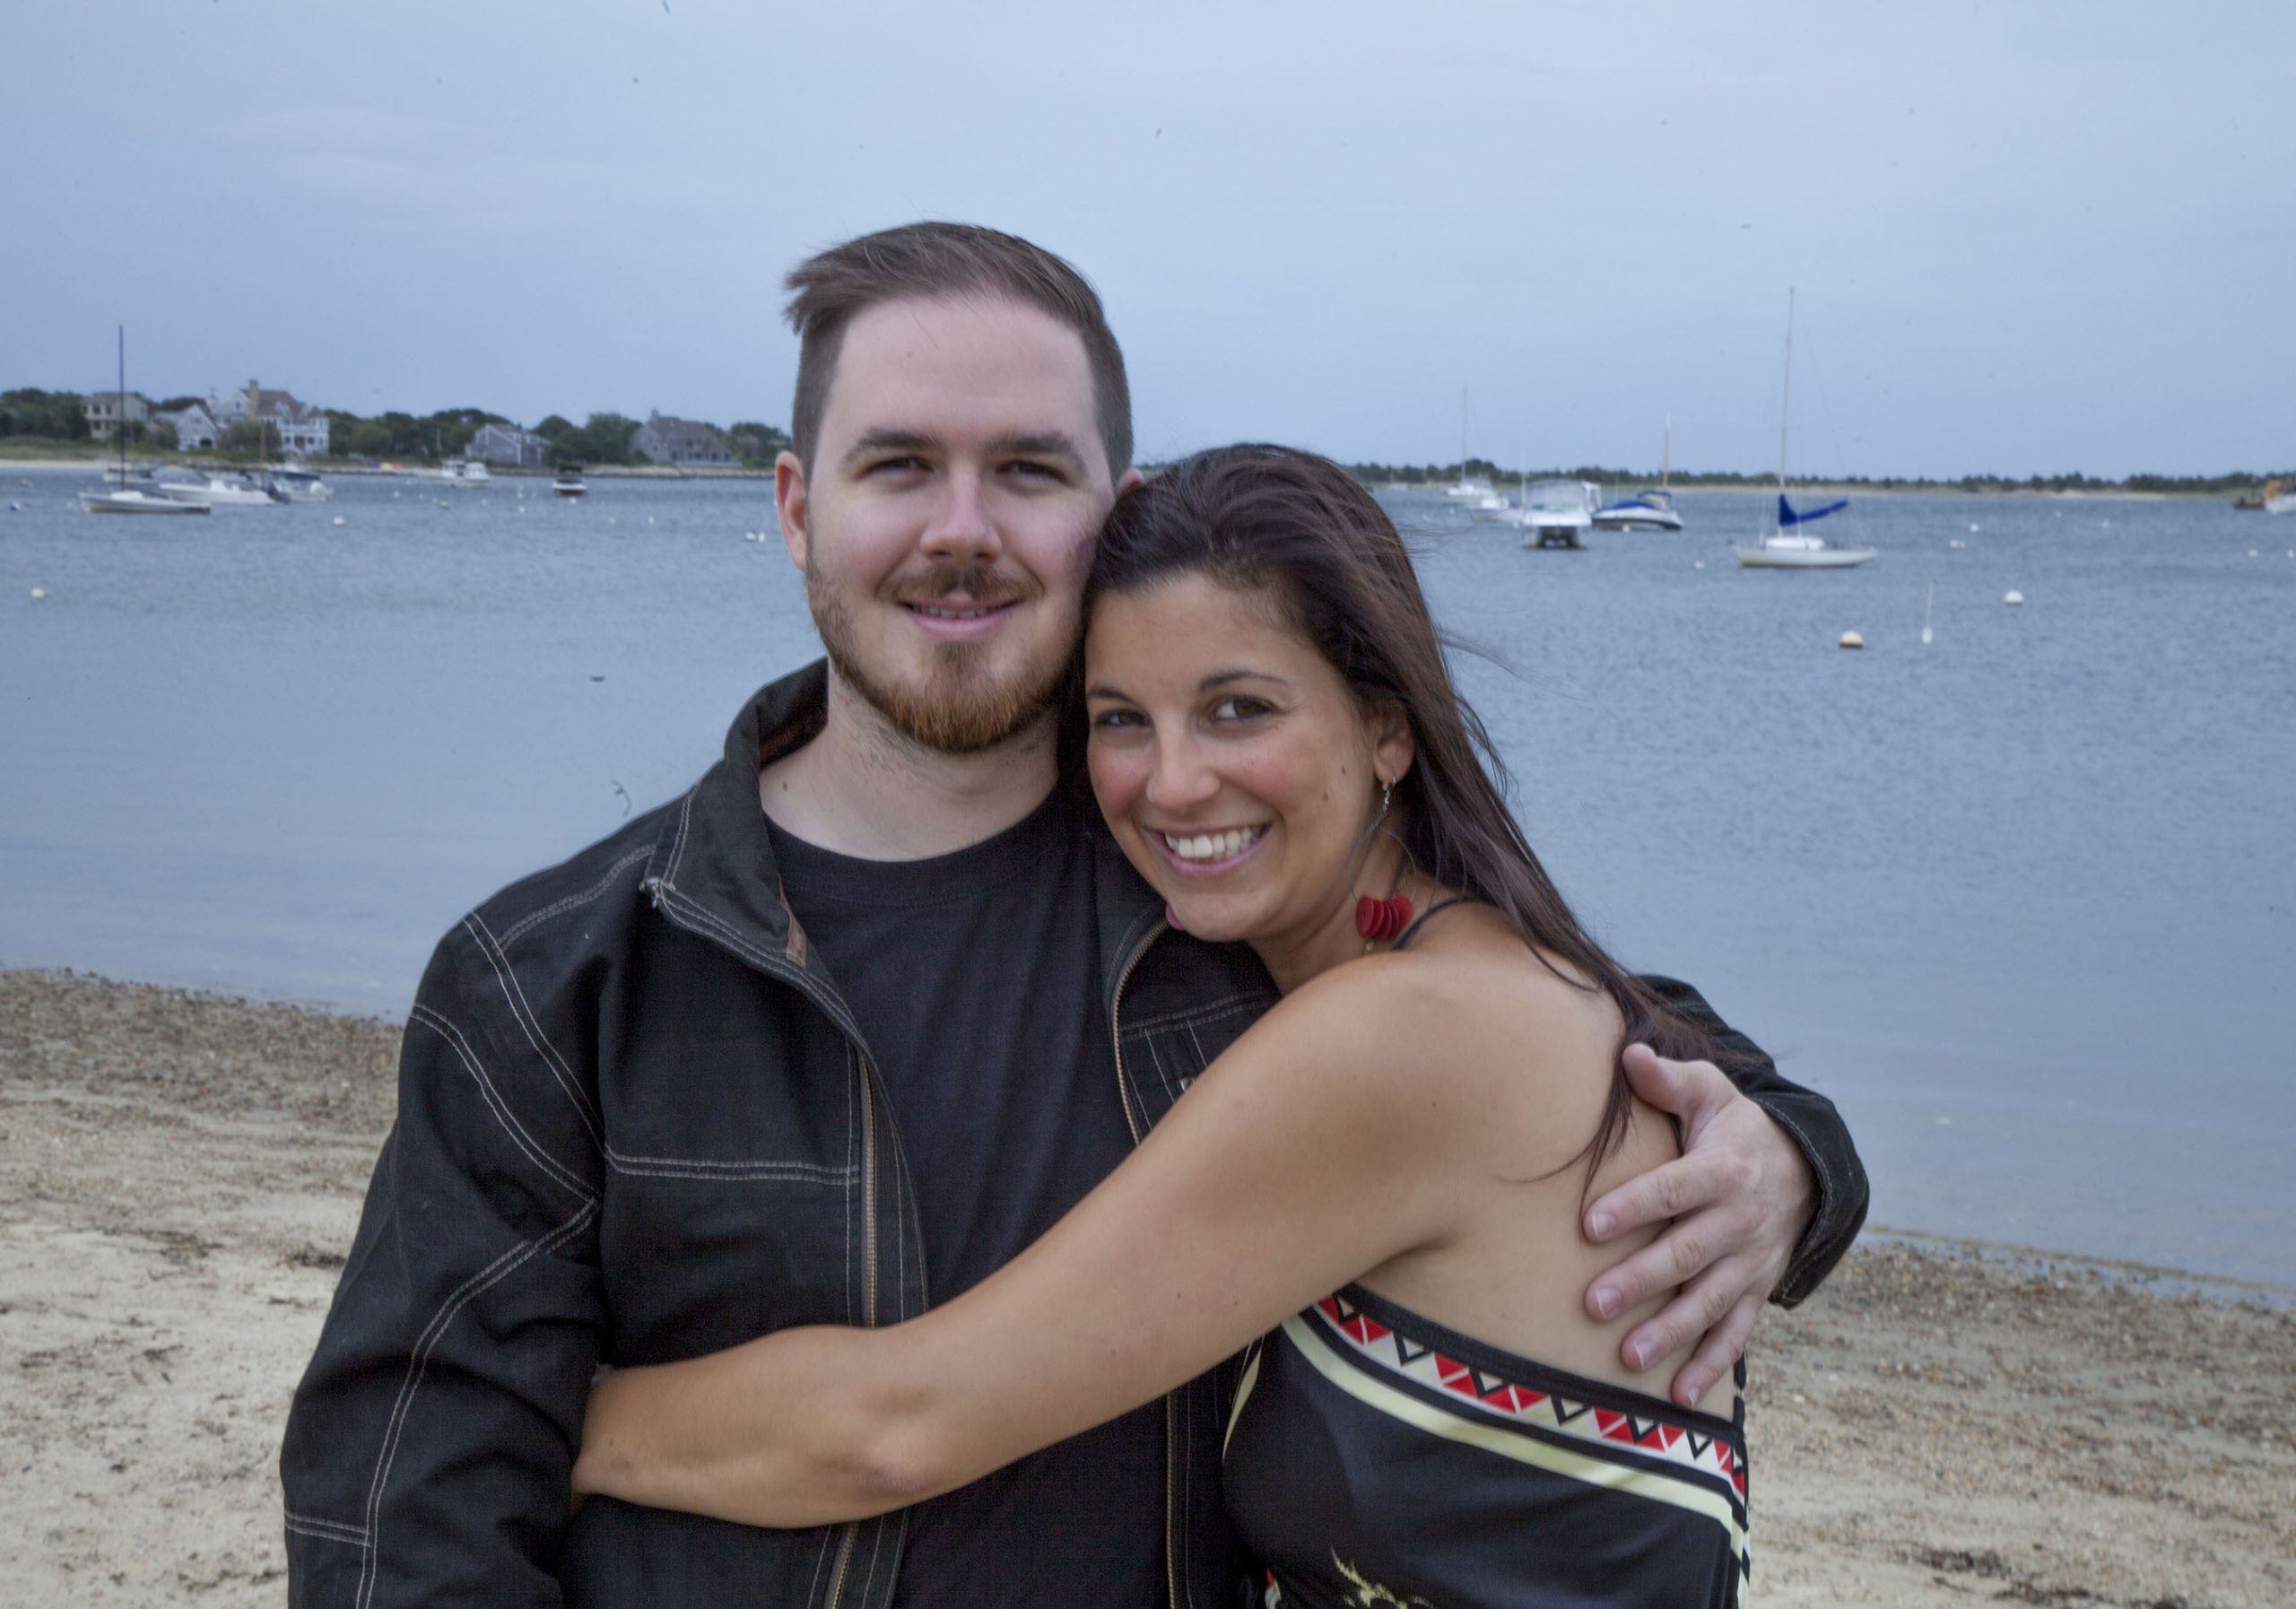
[1444, 474]
[34, 416]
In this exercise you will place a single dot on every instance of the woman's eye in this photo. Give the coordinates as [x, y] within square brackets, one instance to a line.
[1238, 707]
[1116, 720]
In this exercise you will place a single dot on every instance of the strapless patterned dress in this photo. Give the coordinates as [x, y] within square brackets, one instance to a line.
[1376, 1458]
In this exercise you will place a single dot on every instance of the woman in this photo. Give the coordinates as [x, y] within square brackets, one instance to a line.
[1382, 1178]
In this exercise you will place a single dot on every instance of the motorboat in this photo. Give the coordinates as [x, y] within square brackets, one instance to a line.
[1648, 510]
[2276, 491]
[301, 485]
[222, 491]
[1783, 544]
[1491, 509]
[1651, 510]
[569, 482]
[136, 499]
[465, 472]
[1556, 513]
[131, 474]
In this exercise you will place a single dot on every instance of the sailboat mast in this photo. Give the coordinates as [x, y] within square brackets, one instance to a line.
[1786, 401]
[1463, 435]
[119, 428]
[1665, 452]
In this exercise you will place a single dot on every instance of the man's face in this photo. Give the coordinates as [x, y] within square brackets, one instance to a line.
[948, 518]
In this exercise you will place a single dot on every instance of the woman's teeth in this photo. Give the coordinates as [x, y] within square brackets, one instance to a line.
[1212, 845]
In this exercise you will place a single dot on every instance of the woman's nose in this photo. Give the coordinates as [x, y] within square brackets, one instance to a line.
[1181, 779]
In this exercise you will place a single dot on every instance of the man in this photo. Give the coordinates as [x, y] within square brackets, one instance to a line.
[845, 1027]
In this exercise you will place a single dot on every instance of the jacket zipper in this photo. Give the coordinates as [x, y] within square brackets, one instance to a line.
[1171, 1416]
[804, 984]
[852, 1537]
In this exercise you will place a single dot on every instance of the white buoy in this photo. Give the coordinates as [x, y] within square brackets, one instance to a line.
[649, 519]
[1955, 542]
[338, 519]
[1697, 564]
[443, 503]
[2014, 598]
[1851, 639]
[38, 593]
[1926, 638]
[2252, 552]
[1975, 527]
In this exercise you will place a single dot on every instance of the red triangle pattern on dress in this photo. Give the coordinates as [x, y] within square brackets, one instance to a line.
[1678, 1444]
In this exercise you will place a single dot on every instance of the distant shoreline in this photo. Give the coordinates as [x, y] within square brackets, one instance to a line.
[668, 471]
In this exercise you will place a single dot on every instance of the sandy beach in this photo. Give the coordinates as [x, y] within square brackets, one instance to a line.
[179, 1175]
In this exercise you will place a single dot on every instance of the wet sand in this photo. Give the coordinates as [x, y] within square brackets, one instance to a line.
[180, 1176]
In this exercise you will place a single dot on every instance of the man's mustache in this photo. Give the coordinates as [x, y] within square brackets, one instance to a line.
[979, 583]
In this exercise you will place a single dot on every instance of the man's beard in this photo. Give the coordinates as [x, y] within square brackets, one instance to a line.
[959, 707]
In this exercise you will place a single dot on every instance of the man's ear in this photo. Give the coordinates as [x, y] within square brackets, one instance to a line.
[790, 501]
[1128, 479]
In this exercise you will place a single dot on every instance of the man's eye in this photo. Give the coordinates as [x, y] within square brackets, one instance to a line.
[906, 462]
[1030, 470]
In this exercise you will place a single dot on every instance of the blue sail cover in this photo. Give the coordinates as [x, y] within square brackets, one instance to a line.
[1788, 517]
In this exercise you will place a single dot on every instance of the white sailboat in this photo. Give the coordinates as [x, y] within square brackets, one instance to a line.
[1784, 545]
[127, 496]
[1651, 509]
[1469, 491]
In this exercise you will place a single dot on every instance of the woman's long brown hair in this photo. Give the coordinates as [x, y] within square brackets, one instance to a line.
[1301, 528]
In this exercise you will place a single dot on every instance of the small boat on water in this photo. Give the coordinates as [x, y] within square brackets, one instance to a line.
[1784, 545]
[301, 485]
[1556, 513]
[134, 500]
[569, 482]
[223, 491]
[2274, 491]
[1650, 511]
[137, 493]
[465, 472]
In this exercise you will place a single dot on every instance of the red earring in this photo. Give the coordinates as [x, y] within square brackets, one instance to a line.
[1378, 919]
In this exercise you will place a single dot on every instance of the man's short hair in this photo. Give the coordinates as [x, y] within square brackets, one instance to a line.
[831, 288]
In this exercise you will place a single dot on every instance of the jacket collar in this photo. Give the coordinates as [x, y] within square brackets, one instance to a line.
[718, 858]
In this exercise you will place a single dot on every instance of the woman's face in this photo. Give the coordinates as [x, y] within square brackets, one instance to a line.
[1236, 769]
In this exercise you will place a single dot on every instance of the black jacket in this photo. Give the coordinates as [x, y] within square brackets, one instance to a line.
[637, 1123]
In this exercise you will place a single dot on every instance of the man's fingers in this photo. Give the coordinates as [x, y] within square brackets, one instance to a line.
[1724, 1345]
[1681, 1186]
[1674, 1258]
[1685, 1089]
[1686, 1320]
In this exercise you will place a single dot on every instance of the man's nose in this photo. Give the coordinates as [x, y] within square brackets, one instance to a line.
[1181, 779]
[962, 530]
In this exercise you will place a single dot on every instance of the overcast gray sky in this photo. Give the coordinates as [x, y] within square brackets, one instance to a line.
[2026, 237]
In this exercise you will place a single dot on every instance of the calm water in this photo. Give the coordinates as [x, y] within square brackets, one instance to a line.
[2023, 902]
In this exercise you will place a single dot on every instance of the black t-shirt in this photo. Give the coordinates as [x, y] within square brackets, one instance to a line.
[975, 978]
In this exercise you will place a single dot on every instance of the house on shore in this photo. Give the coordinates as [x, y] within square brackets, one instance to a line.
[507, 443]
[662, 440]
[195, 426]
[106, 411]
[302, 428]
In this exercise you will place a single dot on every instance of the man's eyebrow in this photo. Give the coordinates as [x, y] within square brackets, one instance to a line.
[1036, 444]
[885, 438]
